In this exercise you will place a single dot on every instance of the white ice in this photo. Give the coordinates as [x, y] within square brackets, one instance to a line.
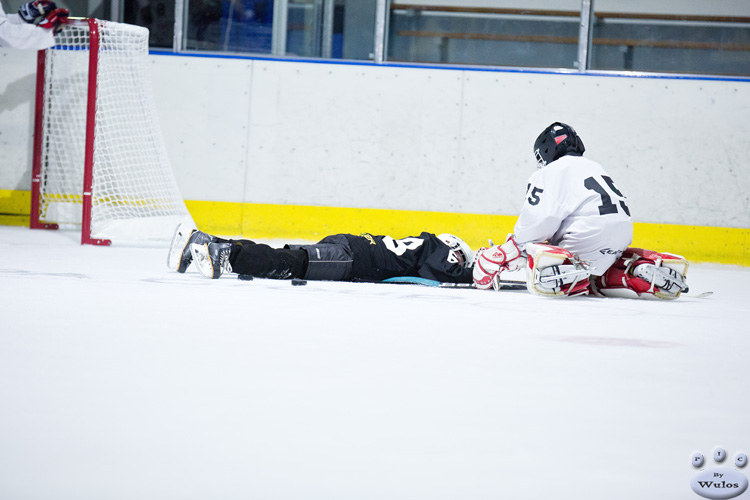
[122, 380]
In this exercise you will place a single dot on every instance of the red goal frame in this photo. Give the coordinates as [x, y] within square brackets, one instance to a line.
[88, 170]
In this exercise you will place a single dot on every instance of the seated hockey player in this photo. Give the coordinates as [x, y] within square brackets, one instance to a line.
[574, 230]
[340, 257]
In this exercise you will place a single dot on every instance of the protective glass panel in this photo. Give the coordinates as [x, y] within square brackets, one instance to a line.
[315, 27]
[230, 25]
[156, 15]
[703, 42]
[501, 35]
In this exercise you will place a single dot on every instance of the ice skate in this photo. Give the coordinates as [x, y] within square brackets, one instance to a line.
[212, 259]
[666, 279]
[644, 274]
[180, 256]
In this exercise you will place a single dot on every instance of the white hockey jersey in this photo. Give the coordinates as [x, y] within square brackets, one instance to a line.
[573, 203]
[15, 33]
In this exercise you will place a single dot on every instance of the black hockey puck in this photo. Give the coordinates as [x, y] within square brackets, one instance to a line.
[245, 277]
[298, 282]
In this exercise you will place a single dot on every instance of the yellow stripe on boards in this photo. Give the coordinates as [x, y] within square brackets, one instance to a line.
[308, 223]
[14, 207]
[723, 245]
[217, 217]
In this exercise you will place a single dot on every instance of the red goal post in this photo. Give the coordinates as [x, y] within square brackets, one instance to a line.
[99, 159]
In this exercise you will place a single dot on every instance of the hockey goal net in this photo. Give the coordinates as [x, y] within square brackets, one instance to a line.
[99, 156]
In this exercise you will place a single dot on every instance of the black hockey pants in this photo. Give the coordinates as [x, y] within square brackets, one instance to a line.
[330, 259]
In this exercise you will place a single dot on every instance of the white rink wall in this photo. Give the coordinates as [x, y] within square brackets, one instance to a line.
[423, 138]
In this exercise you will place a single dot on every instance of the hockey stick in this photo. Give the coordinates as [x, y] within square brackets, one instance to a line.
[414, 280]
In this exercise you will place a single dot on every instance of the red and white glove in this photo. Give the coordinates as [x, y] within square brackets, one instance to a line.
[31, 11]
[489, 261]
[54, 20]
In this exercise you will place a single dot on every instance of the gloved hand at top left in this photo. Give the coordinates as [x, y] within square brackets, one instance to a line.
[32, 11]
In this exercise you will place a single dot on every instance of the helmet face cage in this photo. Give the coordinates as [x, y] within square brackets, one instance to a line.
[462, 252]
[540, 163]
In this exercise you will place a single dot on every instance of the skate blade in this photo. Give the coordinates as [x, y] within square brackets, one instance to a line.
[178, 247]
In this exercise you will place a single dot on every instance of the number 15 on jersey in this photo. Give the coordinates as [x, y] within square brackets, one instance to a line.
[606, 190]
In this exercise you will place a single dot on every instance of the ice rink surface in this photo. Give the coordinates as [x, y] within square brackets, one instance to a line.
[122, 380]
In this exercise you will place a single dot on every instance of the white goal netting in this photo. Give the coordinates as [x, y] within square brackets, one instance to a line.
[134, 194]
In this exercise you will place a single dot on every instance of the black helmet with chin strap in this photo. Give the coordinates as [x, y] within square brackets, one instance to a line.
[556, 141]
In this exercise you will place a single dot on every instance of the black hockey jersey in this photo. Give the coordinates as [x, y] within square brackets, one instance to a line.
[381, 257]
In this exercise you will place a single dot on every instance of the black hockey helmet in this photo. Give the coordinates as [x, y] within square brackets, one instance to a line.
[556, 141]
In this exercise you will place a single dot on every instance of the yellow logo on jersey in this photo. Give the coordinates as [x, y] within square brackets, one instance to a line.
[369, 238]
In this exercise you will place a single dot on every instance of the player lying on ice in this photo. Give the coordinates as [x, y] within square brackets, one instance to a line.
[340, 257]
[573, 233]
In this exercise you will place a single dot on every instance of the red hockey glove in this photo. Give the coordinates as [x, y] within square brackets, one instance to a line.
[54, 20]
